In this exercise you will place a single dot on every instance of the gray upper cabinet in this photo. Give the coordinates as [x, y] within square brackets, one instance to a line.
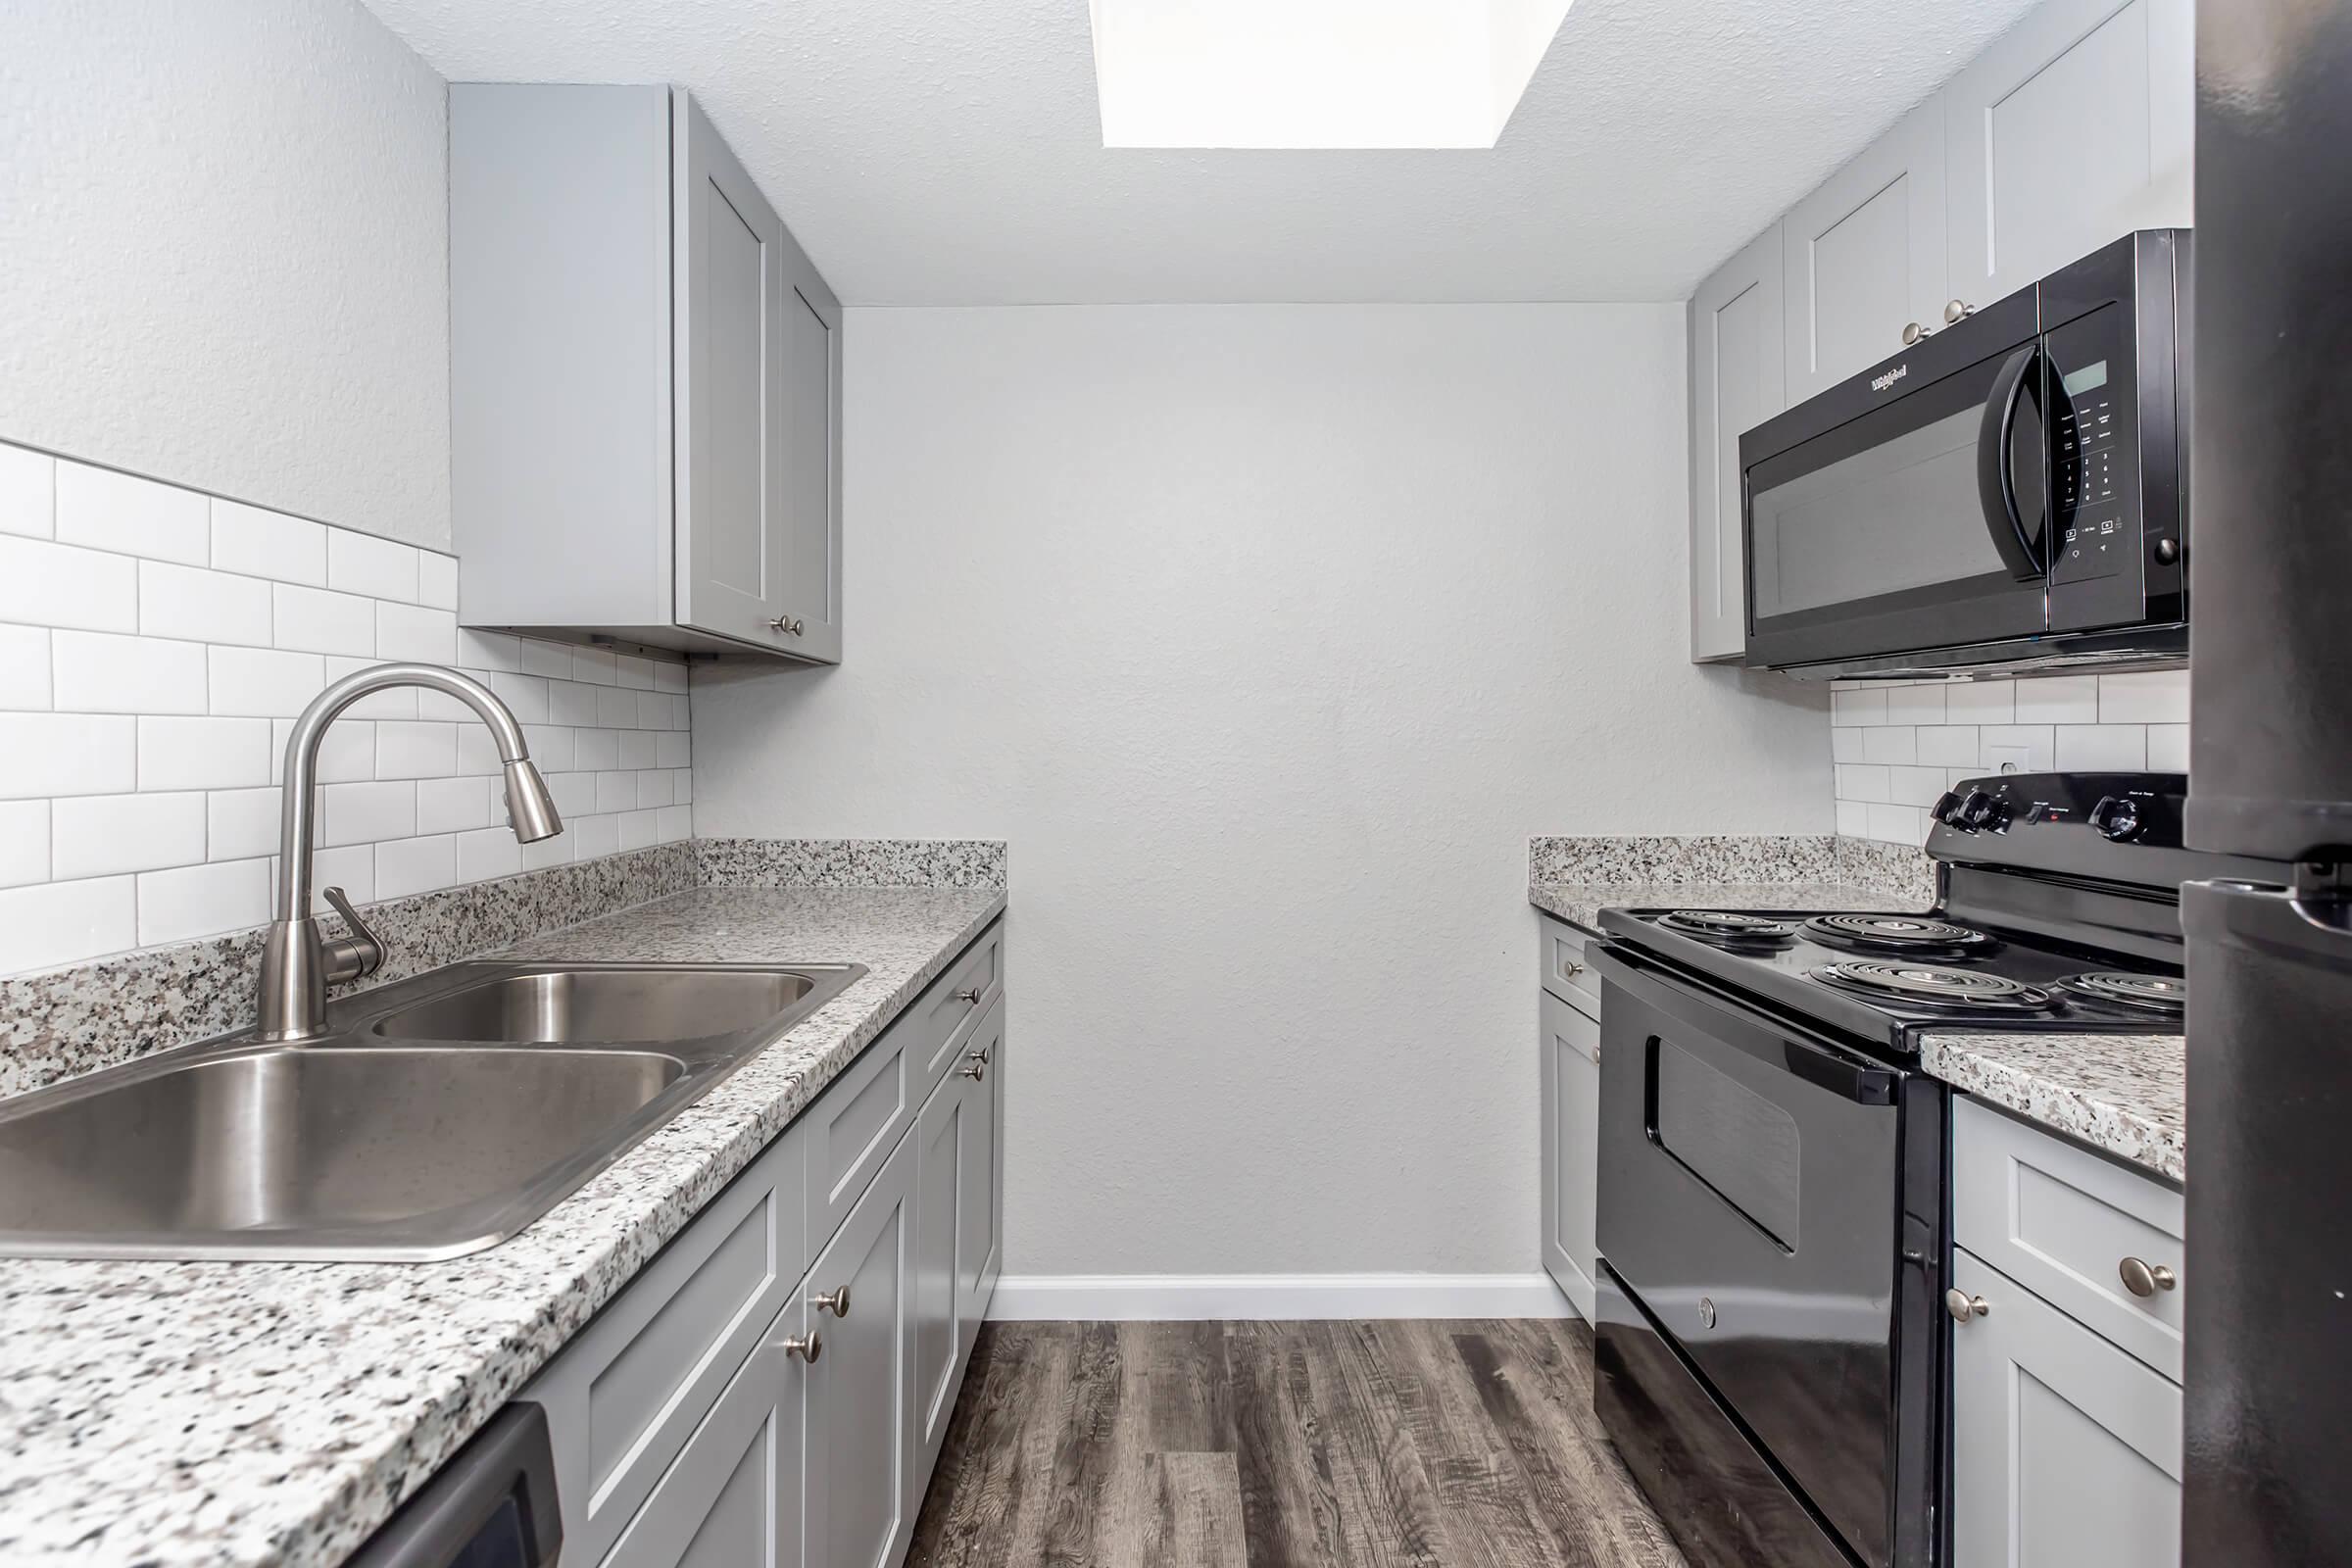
[1866, 256]
[2074, 128]
[1737, 381]
[645, 382]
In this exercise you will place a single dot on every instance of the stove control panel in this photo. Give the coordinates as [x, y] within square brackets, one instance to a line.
[2141, 809]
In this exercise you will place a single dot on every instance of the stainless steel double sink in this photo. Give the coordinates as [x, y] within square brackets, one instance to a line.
[441, 1115]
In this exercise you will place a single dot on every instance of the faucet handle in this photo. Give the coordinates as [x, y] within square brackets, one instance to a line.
[358, 954]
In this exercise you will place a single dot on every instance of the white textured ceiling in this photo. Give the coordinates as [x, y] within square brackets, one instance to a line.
[948, 151]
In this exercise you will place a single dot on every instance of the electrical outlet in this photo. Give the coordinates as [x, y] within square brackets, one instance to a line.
[2008, 759]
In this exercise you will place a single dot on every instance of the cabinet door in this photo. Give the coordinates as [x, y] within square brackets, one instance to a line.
[729, 298]
[2065, 1451]
[980, 1254]
[942, 1137]
[808, 539]
[1866, 256]
[2073, 129]
[733, 1498]
[1737, 365]
[1570, 1077]
[858, 1440]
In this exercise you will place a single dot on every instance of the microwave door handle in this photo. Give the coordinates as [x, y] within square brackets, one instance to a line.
[1996, 483]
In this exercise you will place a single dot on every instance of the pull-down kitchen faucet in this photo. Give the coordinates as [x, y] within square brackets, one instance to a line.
[298, 962]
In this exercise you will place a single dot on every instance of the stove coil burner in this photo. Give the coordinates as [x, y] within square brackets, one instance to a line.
[1919, 986]
[2165, 995]
[1898, 933]
[1719, 925]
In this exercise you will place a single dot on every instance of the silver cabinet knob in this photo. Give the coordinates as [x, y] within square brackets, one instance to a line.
[805, 1350]
[789, 625]
[1572, 968]
[1964, 1306]
[1913, 332]
[975, 1066]
[971, 994]
[2144, 1279]
[835, 1302]
[1957, 311]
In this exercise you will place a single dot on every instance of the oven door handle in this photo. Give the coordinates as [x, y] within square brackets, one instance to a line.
[2019, 545]
[1737, 1025]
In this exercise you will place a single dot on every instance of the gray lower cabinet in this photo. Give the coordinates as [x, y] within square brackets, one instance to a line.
[1568, 1040]
[740, 1405]
[2065, 1451]
[2066, 1412]
[645, 381]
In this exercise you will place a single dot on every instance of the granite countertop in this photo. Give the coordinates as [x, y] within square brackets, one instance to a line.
[276, 1413]
[2125, 1094]
[1580, 903]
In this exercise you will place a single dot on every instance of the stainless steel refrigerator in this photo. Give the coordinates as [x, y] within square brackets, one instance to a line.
[2267, 1284]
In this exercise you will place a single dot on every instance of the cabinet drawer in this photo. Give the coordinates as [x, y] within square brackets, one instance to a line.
[2061, 1222]
[623, 1397]
[852, 1127]
[1566, 975]
[937, 1025]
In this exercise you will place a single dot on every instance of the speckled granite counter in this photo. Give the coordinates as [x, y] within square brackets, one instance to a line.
[265, 1413]
[1580, 903]
[2125, 1094]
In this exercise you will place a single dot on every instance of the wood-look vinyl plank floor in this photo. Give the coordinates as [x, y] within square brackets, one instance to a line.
[1322, 1445]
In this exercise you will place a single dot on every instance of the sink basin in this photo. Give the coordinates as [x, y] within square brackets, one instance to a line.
[615, 1003]
[444, 1114]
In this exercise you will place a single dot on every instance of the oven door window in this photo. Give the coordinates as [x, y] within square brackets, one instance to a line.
[1919, 524]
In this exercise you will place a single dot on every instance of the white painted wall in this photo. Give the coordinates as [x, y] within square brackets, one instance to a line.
[1266, 635]
[223, 253]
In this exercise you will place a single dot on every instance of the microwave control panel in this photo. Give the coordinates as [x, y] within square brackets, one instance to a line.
[2094, 512]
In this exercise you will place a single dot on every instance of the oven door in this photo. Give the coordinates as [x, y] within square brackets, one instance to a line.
[1751, 1200]
[1904, 514]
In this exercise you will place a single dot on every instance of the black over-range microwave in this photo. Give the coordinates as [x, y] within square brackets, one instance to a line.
[2010, 493]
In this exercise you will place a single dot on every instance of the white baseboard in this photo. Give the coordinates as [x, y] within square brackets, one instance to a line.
[1214, 1297]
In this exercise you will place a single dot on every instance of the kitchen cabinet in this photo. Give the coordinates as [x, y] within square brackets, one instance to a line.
[738, 1404]
[2071, 130]
[861, 1387]
[1568, 1040]
[645, 382]
[1865, 256]
[1738, 379]
[2066, 1353]
[2064, 1449]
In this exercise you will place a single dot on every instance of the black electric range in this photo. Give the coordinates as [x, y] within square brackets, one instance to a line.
[1770, 1341]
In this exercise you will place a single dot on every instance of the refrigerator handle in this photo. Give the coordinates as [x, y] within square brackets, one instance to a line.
[2309, 923]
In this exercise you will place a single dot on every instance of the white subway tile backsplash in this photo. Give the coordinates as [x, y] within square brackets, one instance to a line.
[240, 824]
[1863, 782]
[453, 804]
[202, 753]
[1853, 818]
[43, 584]
[2099, 748]
[415, 866]
[1860, 705]
[380, 568]
[67, 754]
[413, 631]
[264, 682]
[268, 544]
[1898, 824]
[28, 492]
[1891, 743]
[2167, 748]
[51, 923]
[154, 646]
[202, 900]
[23, 838]
[202, 605]
[2058, 700]
[1922, 703]
[101, 835]
[350, 867]
[436, 579]
[109, 672]
[2146, 697]
[366, 814]
[23, 666]
[1980, 702]
[121, 512]
[1915, 786]
[2018, 748]
[1947, 745]
[318, 620]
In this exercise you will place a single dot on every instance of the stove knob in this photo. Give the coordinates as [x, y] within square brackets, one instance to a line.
[1946, 808]
[2116, 816]
[1981, 811]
